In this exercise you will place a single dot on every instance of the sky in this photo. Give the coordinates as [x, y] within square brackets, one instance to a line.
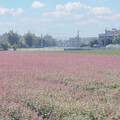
[59, 18]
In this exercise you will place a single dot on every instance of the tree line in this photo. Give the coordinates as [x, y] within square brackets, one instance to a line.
[28, 40]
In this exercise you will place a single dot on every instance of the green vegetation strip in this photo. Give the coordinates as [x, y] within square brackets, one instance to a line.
[100, 51]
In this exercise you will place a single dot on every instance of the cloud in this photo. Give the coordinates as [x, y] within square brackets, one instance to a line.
[66, 11]
[116, 16]
[78, 10]
[78, 16]
[37, 4]
[74, 6]
[63, 14]
[101, 10]
[7, 24]
[110, 17]
[5, 10]
[90, 21]
[11, 11]
[57, 14]
[17, 12]
[34, 21]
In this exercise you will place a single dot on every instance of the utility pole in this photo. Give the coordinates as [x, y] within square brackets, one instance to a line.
[41, 40]
[105, 36]
[78, 33]
[78, 37]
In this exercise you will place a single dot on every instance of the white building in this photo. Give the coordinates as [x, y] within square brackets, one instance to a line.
[75, 42]
[108, 35]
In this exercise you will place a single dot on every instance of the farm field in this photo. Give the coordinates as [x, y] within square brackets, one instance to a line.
[59, 86]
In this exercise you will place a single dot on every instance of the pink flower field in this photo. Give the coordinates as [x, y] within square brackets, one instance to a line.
[59, 86]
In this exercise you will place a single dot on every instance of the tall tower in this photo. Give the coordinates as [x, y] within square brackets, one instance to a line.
[78, 34]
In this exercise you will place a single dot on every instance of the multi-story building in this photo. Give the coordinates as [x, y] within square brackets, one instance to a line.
[108, 35]
[75, 42]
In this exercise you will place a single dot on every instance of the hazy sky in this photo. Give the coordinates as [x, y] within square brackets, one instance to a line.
[59, 17]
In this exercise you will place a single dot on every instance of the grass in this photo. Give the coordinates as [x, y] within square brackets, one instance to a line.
[99, 51]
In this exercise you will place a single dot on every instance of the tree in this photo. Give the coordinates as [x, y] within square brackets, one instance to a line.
[39, 42]
[83, 44]
[108, 41]
[22, 42]
[11, 37]
[92, 42]
[5, 38]
[4, 46]
[29, 39]
[49, 41]
[116, 39]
